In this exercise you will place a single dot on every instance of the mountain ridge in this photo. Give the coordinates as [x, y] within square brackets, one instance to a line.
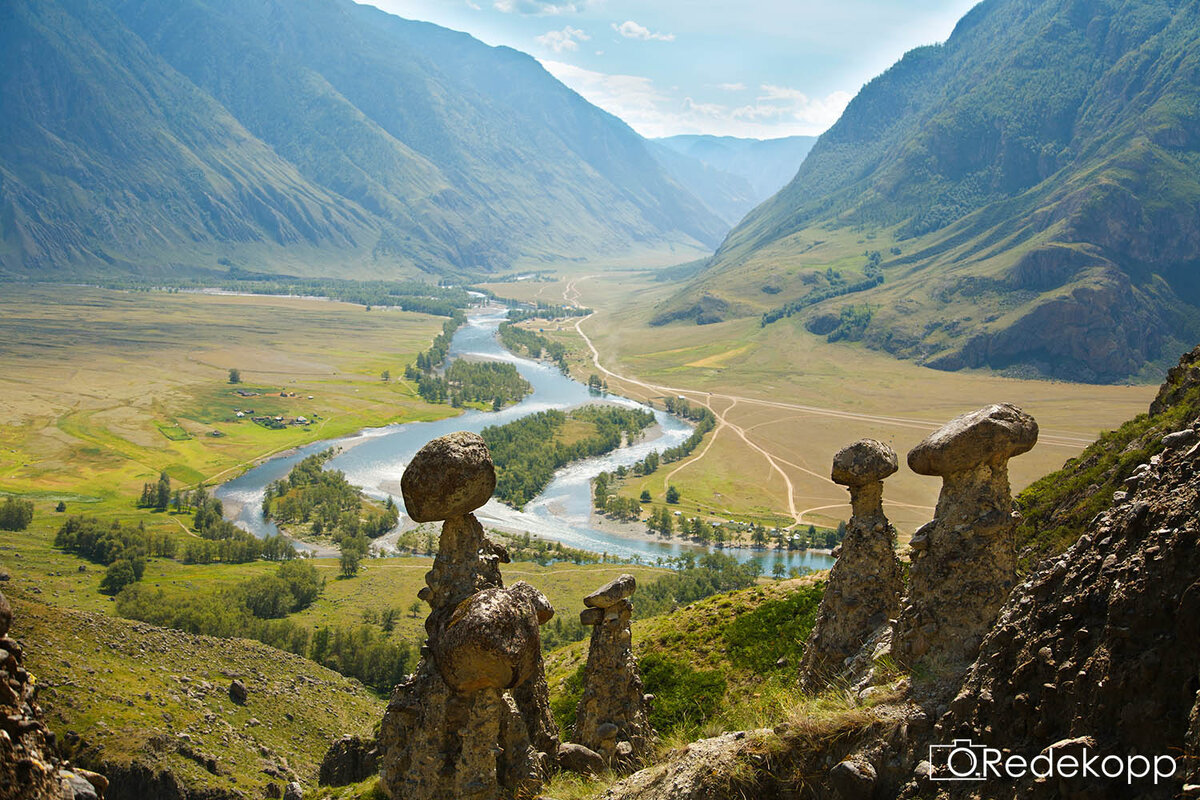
[1031, 187]
[319, 137]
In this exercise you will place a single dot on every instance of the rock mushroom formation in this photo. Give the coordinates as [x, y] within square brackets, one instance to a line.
[964, 561]
[612, 717]
[863, 593]
[473, 721]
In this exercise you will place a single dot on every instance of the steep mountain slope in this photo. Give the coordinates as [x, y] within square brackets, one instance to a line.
[766, 164]
[727, 195]
[322, 134]
[1032, 188]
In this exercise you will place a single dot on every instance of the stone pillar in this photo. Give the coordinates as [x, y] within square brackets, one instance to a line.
[865, 584]
[473, 721]
[964, 561]
[612, 718]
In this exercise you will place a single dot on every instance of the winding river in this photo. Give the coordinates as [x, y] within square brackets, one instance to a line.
[375, 459]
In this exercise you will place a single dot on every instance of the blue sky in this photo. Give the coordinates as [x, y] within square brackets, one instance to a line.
[758, 68]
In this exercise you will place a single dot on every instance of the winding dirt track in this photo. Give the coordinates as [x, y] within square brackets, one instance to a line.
[571, 296]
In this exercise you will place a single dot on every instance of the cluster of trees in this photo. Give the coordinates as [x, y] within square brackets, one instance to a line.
[15, 514]
[247, 610]
[492, 382]
[294, 587]
[520, 311]
[327, 502]
[221, 540]
[528, 451]
[408, 295]
[608, 502]
[694, 579]
[123, 550]
[852, 323]
[705, 421]
[156, 495]
[435, 356]
[538, 346]
[526, 548]
[837, 285]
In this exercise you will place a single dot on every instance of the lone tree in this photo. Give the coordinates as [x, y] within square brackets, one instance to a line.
[351, 561]
[235, 376]
[672, 495]
[645, 498]
[386, 375]
[15, 515]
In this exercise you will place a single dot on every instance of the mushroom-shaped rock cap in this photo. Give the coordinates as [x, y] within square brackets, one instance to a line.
[990, 435]
[866, 461]
[612, 592]
[450, 476]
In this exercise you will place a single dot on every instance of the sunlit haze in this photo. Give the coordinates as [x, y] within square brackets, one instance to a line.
[760, 69]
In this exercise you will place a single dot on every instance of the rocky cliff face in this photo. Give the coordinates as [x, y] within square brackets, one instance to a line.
[29, 767]
[1100, 647]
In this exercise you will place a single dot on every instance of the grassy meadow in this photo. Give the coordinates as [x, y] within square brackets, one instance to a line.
[101, 390]
[789, 400]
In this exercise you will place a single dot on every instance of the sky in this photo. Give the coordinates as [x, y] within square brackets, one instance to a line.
[754, 68]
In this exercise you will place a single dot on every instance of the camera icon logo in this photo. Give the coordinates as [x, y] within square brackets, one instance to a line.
[962, 760]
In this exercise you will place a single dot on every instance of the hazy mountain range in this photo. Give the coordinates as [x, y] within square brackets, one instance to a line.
[1032, 188]
[313, 136]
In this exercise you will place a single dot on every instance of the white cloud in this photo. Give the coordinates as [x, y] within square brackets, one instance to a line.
[780, 93]
[566, 39]
[541, 7]
[732, 87]
[631, 30]
[653, 112]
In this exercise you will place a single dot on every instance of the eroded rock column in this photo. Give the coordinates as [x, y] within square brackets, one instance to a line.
[612, 718]
[473, 721]
[964, 561]
[863, 593]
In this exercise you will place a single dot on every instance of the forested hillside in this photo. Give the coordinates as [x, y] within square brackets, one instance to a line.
[1029, 192]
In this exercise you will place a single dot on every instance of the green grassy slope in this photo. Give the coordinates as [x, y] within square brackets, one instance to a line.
[1057, 508]
[132, 700]
[1032, 187]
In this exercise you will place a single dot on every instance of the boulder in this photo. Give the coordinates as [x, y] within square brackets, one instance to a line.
[612, 718]
[866, 461]
[473, 720]
[237, 692]
[989, 435]
[853, 780]
[611, 592]
[5, 615]
[492, 641]
[577, 758]
[450, 476]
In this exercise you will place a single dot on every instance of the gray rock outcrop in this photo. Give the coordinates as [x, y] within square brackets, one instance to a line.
[612, 718]
[473, 721]
[29, 769]
[863, 593]
[964, 561]
[349, 760]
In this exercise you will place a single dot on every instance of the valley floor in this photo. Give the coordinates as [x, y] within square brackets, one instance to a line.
[787, 401]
